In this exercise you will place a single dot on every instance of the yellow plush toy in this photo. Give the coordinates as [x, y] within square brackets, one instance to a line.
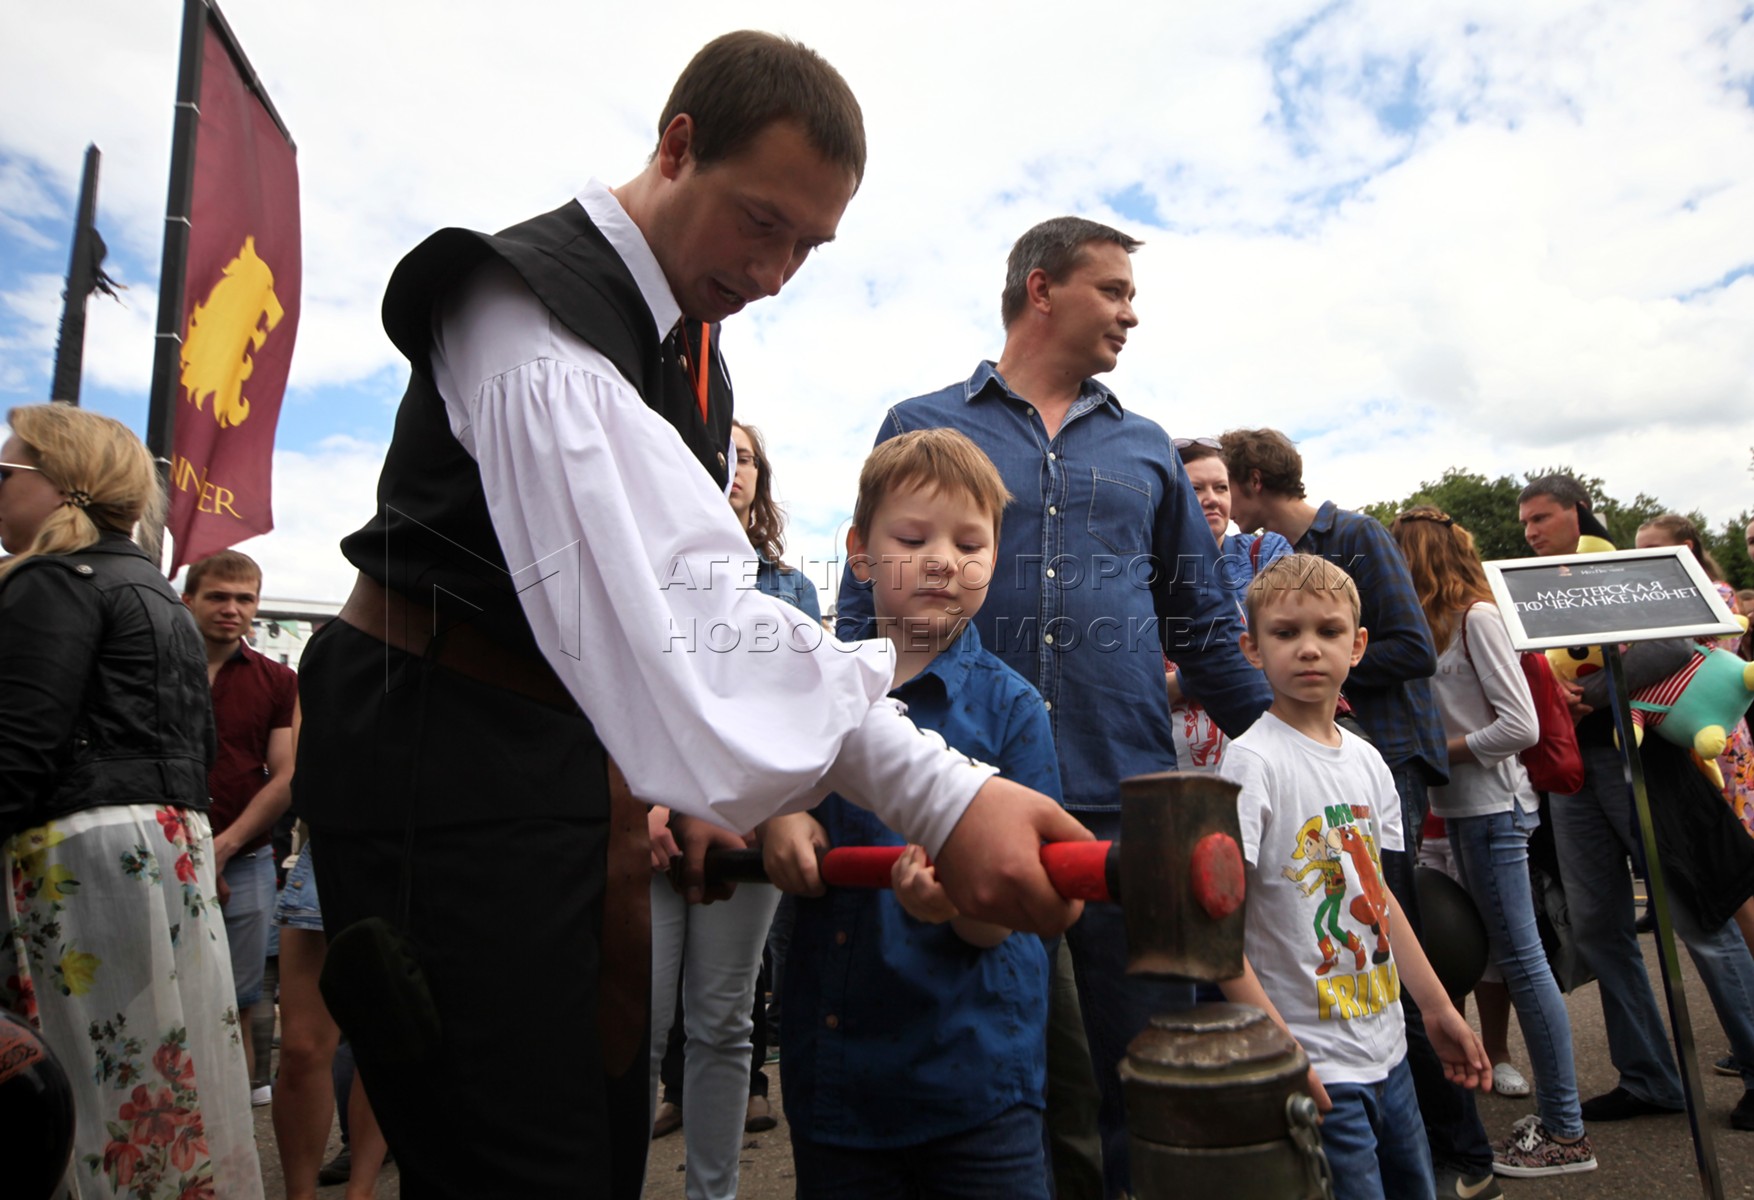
[1573, 663]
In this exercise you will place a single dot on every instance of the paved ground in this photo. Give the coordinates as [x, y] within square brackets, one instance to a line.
[274, 1185]
[1650, 1157]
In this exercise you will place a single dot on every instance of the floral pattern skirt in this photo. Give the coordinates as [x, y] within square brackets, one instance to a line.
[1737, 765]
[114, 948]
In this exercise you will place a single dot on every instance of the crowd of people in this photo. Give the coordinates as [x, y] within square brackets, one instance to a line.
[512, 751]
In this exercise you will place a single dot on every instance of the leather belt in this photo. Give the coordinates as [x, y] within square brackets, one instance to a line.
[393, 619]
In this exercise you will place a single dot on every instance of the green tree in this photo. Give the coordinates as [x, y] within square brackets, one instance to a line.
[1729, 545]
[1484, 507]
[1487, 508]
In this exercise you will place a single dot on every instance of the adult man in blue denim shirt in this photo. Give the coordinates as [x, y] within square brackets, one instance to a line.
[1390, 693]
[1105, 564]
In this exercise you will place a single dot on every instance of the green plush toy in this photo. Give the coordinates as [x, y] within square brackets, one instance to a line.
[1695, 708]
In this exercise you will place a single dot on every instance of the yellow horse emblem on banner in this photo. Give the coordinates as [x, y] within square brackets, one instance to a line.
[225, 331]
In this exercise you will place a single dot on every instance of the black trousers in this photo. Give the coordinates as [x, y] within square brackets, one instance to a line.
[505, 913]
[1452, 1121]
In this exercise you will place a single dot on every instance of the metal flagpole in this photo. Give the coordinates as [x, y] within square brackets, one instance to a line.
[174, 266]
[81, 279]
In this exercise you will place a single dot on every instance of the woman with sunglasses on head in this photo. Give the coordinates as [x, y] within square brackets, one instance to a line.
[1199, 743]
[1490, 808]
[114, 947]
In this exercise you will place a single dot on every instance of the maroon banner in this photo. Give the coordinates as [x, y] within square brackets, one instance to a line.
[240, 314]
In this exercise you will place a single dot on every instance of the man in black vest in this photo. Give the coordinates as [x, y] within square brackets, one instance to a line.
[550, 580]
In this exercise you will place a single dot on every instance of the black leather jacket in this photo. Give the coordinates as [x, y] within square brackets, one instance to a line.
[103, 688]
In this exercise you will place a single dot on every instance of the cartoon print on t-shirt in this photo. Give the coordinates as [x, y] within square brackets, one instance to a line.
[1371, 906]
[1324, 859]
[1326, 855]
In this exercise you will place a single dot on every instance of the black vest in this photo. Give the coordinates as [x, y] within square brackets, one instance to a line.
[432, 539]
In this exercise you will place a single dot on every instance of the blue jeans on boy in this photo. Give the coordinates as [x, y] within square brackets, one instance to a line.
[1492, 859]
[1452, 1122]
[1375, 1140]
[1596, 832]
[1000, 1159]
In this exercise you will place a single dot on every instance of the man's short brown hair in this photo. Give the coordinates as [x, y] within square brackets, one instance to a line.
[1565, 491]
[1055, 246]
[1304, 574]
[227, 564]
[941, 460]
[1269, 452]
[740, 83]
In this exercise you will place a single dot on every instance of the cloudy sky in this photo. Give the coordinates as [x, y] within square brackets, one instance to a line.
[1484, 234]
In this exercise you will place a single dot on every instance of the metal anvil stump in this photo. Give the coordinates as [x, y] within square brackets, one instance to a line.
[1217, 1096]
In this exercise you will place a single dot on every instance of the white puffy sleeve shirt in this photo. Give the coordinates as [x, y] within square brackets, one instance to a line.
[713, 699]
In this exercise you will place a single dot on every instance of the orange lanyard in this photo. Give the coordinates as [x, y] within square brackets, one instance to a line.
[700, 366]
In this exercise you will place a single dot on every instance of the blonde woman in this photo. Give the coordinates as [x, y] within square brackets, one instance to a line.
[113, 945]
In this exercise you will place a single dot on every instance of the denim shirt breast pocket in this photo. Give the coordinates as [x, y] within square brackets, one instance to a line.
[786, 588]
[1120, 511]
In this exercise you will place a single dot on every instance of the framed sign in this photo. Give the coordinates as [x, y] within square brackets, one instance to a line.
[1622, 596]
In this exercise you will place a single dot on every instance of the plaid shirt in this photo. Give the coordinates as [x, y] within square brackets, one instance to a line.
[1390, 688]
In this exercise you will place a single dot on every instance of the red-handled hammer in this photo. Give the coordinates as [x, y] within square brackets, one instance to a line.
[1178, 858]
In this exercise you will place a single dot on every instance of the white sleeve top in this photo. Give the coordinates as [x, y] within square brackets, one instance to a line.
[1484, 697]
[713, 698]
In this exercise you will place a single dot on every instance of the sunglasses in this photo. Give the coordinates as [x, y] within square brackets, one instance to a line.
[1208, 442]
[6, 469]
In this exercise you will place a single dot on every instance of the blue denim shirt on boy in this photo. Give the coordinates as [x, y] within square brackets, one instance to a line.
[1103, 542]
[898, 1032]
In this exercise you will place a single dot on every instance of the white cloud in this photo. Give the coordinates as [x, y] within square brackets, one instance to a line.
[319, 497]
[1474, 233]
[23, 199]
[33, 311]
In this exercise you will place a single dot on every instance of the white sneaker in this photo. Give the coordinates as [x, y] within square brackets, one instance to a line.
[1508, 1081]
[261, 1097]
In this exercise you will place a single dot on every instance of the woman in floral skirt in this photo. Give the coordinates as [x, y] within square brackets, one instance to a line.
[113, 945]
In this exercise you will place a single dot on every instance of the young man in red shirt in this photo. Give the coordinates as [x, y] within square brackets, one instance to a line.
[255, 711]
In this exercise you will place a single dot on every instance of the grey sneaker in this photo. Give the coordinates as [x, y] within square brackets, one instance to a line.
[1453, 1185]
[1531, 1151]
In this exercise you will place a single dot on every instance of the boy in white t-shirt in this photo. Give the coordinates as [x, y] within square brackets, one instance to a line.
[1327, 949]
